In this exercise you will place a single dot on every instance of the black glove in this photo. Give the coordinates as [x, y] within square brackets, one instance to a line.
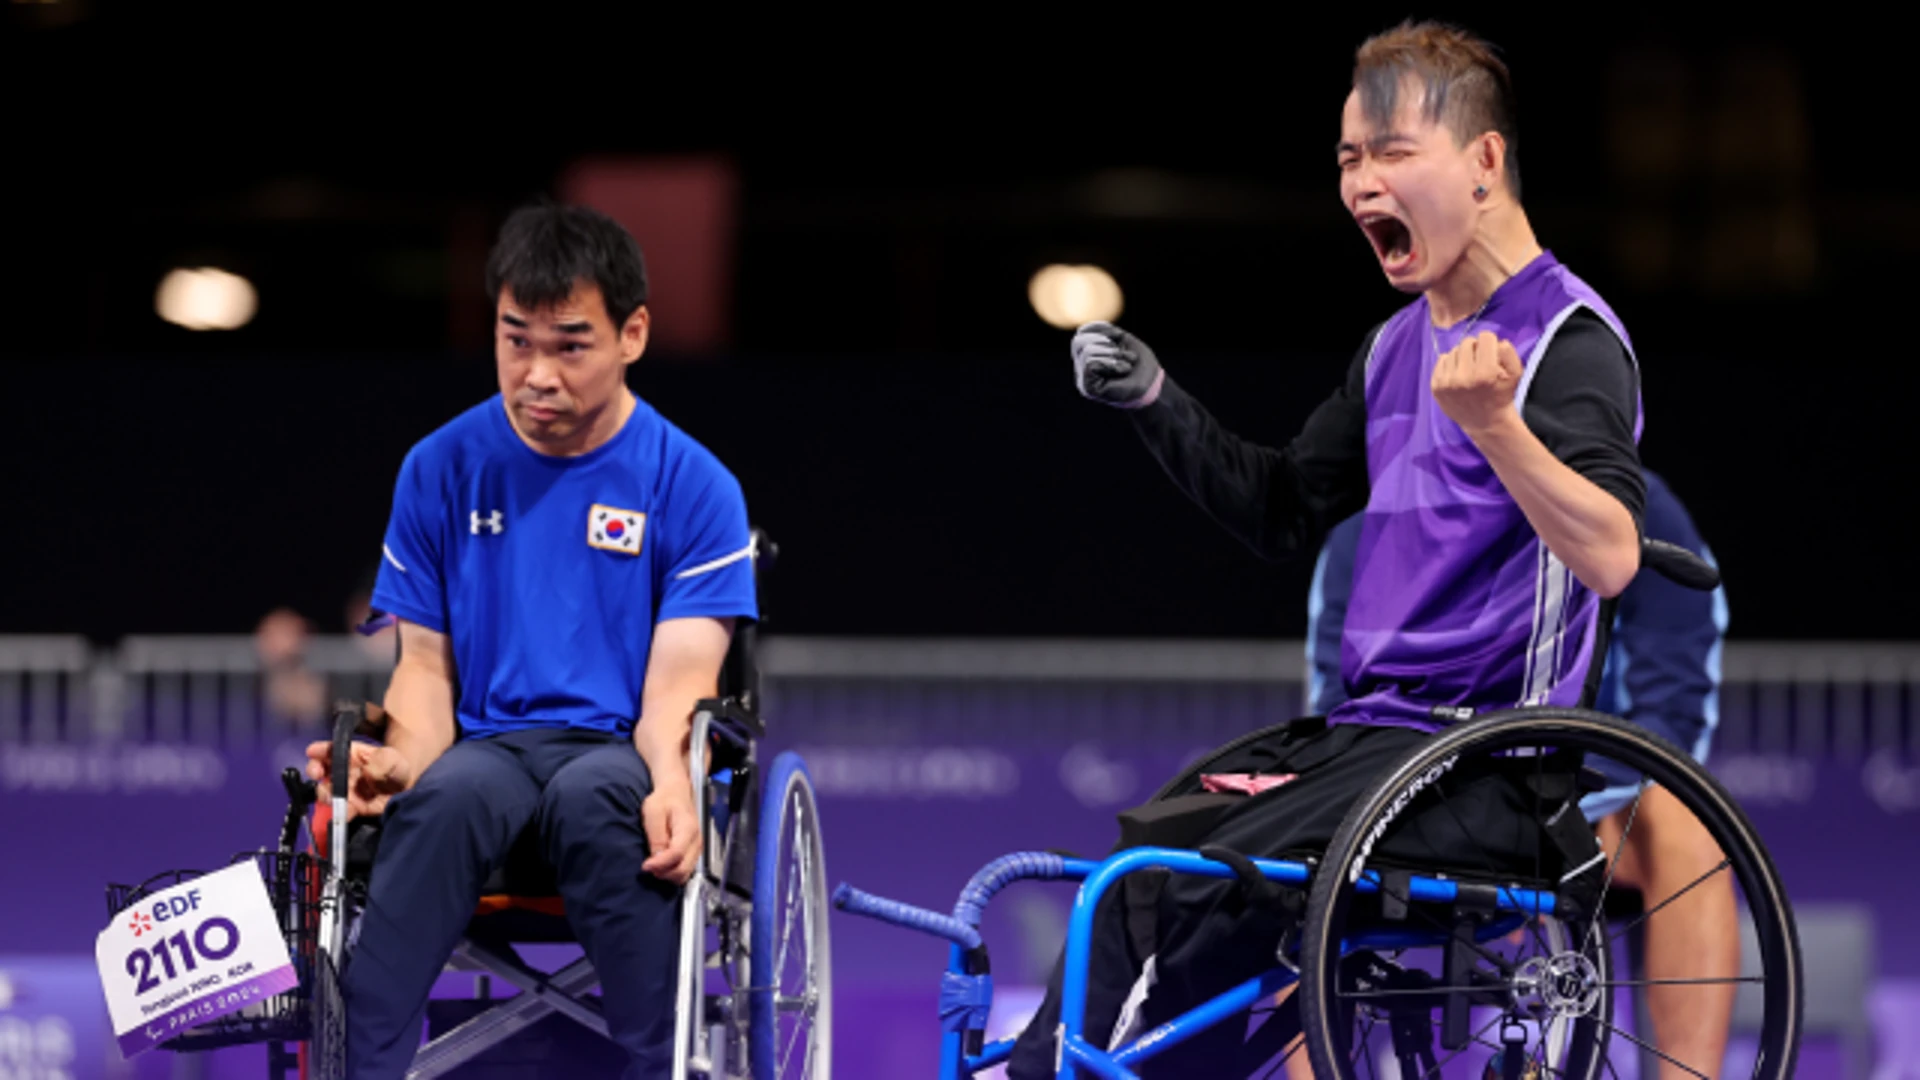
[1115, 368]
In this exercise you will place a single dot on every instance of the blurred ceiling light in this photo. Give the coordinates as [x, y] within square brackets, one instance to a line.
[206, 299]
[1067, 296]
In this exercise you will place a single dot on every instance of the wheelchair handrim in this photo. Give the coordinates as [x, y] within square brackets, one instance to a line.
[1330, 897]
[789, 811]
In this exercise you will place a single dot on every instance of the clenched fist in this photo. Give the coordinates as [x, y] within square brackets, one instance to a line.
[1115, 368]
[1475, 381]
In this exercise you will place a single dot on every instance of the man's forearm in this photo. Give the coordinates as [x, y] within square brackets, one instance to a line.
[420, 723]
[663, 734]
[1231, 479]
[1582, 525]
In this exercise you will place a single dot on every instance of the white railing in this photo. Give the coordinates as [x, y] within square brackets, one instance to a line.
[39, 676]
[1841, 699]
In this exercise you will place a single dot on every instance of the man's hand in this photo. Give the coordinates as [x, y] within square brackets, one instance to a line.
[378, 774]
[1115, 368]
[670, 820]
[1474, 383]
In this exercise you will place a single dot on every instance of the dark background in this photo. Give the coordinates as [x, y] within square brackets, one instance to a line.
[902, 421]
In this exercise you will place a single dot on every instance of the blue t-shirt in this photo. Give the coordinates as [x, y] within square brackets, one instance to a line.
[549, 573]
[1663, 661]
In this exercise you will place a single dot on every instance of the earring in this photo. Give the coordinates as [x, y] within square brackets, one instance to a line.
[1480, 192]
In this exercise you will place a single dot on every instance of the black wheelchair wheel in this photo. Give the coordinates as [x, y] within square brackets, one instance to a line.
[328, 1048]
[1552, 1012]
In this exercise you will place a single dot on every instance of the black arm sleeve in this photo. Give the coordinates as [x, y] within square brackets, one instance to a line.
[1278, 502]
[1582, 405]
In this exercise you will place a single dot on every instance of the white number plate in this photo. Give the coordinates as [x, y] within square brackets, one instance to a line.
[197, 951]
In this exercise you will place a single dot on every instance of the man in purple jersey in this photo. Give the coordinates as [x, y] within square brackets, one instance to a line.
[1488, 431]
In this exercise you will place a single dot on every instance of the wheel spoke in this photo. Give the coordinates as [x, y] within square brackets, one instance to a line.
[1688, 982]
[1649, 1047]
[1600, 907]
[802, 837]
[1645, 915]
[1439, 1069]
[798, 869]
[792, 1041]
[1359, 994]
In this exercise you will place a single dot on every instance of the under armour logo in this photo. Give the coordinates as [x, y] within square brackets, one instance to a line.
[493, 523]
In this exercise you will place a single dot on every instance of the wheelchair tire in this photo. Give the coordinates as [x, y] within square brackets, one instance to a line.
[790, 1027]
[1329, 1036]
[326, 1050]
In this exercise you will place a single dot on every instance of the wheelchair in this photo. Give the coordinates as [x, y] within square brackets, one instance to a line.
[1395, 968]
[755, 975]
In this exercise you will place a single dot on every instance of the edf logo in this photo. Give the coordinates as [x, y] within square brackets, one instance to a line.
[493, 523]
[170, 908]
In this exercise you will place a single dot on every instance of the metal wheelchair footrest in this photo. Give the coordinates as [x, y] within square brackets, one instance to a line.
[540, 995]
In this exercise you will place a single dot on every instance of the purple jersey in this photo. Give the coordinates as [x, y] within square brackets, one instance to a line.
[1456, 602]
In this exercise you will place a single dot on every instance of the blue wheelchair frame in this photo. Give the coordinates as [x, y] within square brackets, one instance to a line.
[966, 996]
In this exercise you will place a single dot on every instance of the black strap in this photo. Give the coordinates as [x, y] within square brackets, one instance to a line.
[1567, 827]
[1259, 890]
[1140, 895]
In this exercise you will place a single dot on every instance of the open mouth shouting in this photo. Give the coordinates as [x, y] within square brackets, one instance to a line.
[1392, 242]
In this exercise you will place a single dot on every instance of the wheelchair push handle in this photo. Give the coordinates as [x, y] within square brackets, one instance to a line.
[1678, 565]
[765, 552]
[351, 718]
[849, 899]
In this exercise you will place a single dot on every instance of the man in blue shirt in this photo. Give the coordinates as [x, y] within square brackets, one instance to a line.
[566, 567]
[1662, 672]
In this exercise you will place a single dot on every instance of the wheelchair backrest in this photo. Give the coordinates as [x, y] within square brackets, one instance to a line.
[740, 671]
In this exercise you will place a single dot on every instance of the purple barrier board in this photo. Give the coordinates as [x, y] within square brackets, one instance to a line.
[908, 821]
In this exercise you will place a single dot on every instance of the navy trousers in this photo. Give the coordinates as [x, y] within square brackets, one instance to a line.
[440, 841]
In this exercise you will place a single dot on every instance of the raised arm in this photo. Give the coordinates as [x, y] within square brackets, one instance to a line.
[682, 669]
[1569, 460]
[1279, 502]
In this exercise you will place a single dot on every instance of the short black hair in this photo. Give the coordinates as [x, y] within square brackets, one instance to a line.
[545, 250]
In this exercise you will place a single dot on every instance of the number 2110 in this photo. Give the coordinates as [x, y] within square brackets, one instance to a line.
[140, 962]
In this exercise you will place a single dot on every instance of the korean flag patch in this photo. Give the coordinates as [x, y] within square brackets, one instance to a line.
[610, 528]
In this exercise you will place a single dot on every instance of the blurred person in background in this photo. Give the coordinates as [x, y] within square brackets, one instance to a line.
[1662, 672]
[566, 567]
[295, 695]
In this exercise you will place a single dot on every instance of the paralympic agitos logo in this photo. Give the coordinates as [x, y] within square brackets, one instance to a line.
[1394, 810]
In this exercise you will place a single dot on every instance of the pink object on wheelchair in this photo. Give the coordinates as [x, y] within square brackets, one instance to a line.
[1245, 783]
